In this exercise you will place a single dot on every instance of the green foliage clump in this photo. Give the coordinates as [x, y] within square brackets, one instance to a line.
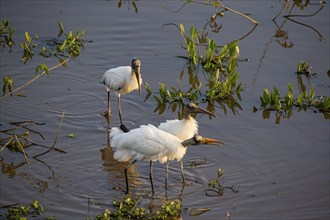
[273, 101]
[219, 67]
[63, 47]
[6, 34]
[127, 209]
[23, 212]
[216, 186]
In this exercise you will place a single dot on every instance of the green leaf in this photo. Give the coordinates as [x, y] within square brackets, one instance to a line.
[71, 136]
[42, 68]
[290, 87]
[182, 29]
[27, 37]
[147, 87]
[62, 46]
[61, 29]
[8, 84]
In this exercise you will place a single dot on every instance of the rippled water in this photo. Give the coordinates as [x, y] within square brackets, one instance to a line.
[281, 170]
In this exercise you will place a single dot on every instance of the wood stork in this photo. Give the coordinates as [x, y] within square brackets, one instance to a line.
[184, 129]
[152, 144]
[122, 80]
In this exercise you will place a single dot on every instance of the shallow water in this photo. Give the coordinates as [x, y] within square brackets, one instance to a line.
[281, 170]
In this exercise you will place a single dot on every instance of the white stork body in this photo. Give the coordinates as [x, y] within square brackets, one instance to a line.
[152, 144]
[183, 129]
[146, 143]
[122, 80]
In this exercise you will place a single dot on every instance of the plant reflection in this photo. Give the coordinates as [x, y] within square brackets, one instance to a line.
[10, 169]
[281, 36]
[219, 11]
[120, 3]
[290, 6]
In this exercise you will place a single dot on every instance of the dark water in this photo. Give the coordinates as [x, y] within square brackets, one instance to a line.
[281, 170]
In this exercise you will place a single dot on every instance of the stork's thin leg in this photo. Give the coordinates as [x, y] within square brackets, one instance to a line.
[109, 110]
[126, 169]
[166, 177]
[119, 110]
[181, 167]
[150, 176]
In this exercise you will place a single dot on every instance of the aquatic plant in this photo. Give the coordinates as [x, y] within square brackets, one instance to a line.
[304, 67]
[218, 65]
[6, 34]
[22, 212]
[216, 186]
[273, 101]
[63, 47]
[222, 80]
[127, 209]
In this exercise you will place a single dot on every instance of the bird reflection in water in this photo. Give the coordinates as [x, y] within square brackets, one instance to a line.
[115, 168]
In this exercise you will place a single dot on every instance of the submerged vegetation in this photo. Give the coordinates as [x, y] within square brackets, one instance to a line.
[216, 186]
[222, 80]
[283, 106]
[217, 64]
[6, 34]
[127, 209]
[23, 212]
[63, 47]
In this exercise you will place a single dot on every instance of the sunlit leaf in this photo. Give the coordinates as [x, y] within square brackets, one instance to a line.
[62, 45]
[182, 29]
[27, 37]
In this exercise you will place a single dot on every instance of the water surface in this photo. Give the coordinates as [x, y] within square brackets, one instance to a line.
[281, 170]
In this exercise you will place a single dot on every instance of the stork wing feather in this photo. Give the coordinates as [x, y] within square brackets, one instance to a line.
[183, 129]
[144, 143]
[116, 78]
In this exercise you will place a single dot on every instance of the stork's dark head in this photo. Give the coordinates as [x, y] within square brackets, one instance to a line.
[136, 63]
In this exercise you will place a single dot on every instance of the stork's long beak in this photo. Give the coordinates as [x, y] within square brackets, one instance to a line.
[211, 141]
[203, 111]
[137, 75]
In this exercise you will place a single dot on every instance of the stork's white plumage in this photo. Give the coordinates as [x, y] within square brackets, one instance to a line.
[184, 129]
[152, 144]
[145, 143]
[122, 80]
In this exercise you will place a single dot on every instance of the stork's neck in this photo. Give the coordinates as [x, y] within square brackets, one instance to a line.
[186, 115]
[189, 142]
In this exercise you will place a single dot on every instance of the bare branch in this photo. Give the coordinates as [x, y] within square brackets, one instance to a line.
[35, 78]
[58, 132]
